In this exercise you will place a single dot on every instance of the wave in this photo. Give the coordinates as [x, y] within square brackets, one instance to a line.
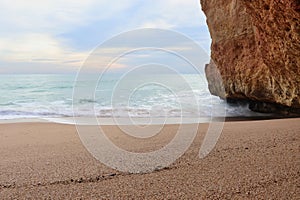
[7, 104]
[15, 114]
[136, 112]
[51, 96]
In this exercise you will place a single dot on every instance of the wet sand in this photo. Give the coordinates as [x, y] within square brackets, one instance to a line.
[252, 160]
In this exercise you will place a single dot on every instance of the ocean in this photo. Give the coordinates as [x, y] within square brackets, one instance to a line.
[50, 96]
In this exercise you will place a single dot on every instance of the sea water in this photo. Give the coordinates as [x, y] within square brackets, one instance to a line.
[34, 96]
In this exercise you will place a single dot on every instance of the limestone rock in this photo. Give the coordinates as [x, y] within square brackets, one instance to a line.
[256, 50]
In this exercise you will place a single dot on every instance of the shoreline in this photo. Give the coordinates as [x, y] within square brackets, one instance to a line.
[140, 120]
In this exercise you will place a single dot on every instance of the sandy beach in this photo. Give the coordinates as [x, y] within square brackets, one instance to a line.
[252, 160]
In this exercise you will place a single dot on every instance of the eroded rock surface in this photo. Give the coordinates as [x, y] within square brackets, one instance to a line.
[256, 50]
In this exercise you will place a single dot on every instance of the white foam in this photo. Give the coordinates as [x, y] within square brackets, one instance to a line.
[89, 121]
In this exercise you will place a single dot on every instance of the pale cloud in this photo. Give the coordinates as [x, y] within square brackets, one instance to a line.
[159, 23]
[37, 48]
[171, 14]
[56, 16]
[31, 30]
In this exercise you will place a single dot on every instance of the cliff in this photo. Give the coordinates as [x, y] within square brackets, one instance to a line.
[256, 50]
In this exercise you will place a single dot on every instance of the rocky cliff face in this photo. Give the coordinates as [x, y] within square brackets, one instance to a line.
[256, 50]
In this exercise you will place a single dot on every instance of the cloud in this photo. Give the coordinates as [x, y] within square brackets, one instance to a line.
[55, 16]
[37, 48]
[34, 31]
[171, 14]
[29, 29]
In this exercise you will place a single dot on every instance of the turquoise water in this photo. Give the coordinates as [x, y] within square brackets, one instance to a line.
[51, 95]
[31, 96]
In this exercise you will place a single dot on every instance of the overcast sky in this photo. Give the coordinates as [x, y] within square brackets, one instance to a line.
[56, 36]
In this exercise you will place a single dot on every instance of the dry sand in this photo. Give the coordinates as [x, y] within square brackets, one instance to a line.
[252, 160]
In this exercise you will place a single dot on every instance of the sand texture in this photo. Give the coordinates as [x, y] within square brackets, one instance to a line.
[252, 160]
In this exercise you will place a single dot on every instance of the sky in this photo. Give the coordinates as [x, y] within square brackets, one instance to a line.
[57, 36]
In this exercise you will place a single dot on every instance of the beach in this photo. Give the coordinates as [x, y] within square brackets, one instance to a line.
[256, 159]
